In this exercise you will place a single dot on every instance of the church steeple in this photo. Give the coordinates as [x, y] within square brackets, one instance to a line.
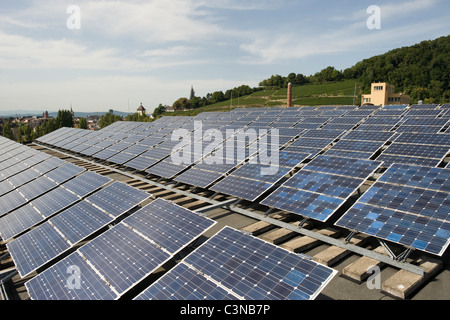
[192, 94]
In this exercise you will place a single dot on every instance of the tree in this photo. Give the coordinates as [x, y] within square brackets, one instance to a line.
[181, 104]
[137, 117]
[158, 111]
[64, 119]
[7, 132]
[82, 124]
[108, 119]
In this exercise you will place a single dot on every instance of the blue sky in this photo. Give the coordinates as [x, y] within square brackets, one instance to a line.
[128, 52]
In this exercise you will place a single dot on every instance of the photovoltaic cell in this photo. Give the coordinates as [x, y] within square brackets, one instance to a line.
[233, 265]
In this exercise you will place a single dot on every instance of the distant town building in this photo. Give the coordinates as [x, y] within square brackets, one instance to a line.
[141, 110]
[383, 93]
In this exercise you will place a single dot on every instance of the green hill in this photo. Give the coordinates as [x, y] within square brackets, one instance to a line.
[421, 70]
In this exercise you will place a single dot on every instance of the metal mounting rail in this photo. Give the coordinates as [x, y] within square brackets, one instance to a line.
[258, 216]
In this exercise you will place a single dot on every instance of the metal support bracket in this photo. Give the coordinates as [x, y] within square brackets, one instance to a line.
[266, 214]
[349, 237]
[303, 222]
[388, 250]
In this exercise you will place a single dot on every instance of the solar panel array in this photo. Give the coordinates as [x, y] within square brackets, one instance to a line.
[322, 186]
[48, 206]
[118, 259]
[45, 242]
[233, 265]
[409, 205]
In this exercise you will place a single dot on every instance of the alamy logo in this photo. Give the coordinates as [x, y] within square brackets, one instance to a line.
[374, 20]
[74, 280]
[74, 20]
[192, 149]
[374, 280]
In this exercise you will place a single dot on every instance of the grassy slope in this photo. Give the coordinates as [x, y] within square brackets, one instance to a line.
[332, 93]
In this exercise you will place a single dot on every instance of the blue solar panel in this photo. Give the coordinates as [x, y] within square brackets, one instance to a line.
[123, 257]
[424, 138]
[86, 183]
[54, 201]
[64, 173]
[35, 248]
[80, 221]
[409, 205]
[422, 151]
[53, 284]
[184, 283]
[198, 177]
[37, 187]
[358, 145]
[168, 225]
[318, 194]
[118, 198]
[166, 168]
[389, 159]
[17, 221]
[356, 168]
[242, 267]
[126, 253]
[241, 187]
[11, 201]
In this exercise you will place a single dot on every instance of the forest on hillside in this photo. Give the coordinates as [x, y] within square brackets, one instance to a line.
[421, 70]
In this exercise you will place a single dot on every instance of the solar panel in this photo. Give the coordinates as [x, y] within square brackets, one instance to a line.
[5, 187]
[423, 151]
[424, 138]
[409, 205]
[321, 187]
[80, 221]
[354, 145]
[86, 183]
[54, 285]
[126, 253]
[233, 265]
[36, 247]
[356, 168]
[118, 198]
[252, 179]
[11, 201]
[388, 160]
[64, 172]
[17, 221]
[198, 177]
[166, 168]
[37, 187]
[349, 154]
[168, 225]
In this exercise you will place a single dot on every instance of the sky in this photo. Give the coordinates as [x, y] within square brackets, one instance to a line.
[116, 54]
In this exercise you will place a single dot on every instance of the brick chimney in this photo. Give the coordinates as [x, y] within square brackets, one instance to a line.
[289, 95]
